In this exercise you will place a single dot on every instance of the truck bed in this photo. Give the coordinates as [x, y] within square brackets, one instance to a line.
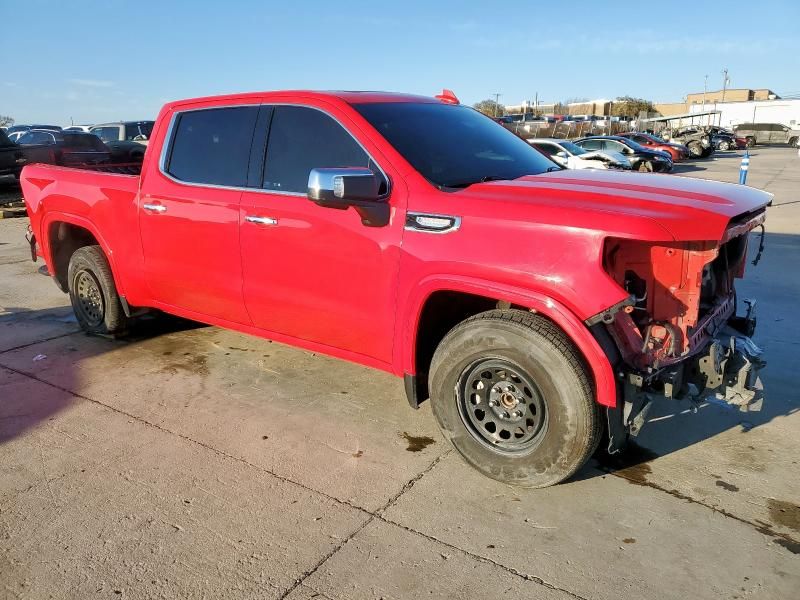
[100, 201]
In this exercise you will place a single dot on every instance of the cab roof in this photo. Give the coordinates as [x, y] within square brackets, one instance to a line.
[349, 97]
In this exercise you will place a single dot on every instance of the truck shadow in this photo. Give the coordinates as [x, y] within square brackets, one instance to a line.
[48, 347]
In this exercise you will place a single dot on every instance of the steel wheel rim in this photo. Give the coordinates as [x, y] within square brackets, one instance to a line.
[501, 406]
[90, 303]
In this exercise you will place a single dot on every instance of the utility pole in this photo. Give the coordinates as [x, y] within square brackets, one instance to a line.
[496, 102]
[725, 81]
[705, 89]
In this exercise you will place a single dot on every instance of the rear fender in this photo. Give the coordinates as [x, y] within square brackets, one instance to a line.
[596, 359]
[59, 217]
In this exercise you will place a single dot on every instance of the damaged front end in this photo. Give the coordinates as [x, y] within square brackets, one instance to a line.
[677, 336]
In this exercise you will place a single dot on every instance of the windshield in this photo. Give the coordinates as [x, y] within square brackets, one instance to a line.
[573, 148]
[453, 146]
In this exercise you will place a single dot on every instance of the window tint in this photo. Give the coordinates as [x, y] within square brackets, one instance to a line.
[453, 146]
[546, 149]
[213, 146]
[592, 144]
[107, 134]
[37, 137]
[133, 130]
[301, 139]
[614, 146]
[85, 141]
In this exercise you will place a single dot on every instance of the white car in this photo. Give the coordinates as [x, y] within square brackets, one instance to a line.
[570, 156]
[78, 128]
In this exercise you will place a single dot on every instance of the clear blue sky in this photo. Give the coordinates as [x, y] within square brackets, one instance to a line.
[98, 60]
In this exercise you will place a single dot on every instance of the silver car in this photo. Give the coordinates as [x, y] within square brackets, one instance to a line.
[767, 133]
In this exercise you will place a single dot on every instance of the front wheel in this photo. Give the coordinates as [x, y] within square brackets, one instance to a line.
[93, 293]
[751, 141]
[695, 149]
[513, 395]
[646, 166]
[724, 146]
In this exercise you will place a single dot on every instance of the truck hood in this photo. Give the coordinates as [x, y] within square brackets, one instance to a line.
[686, 209]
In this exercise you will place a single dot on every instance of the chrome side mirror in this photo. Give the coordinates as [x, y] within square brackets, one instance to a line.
[341, 188]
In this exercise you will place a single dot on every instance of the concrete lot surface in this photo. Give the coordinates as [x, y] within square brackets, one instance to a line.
[193, 462]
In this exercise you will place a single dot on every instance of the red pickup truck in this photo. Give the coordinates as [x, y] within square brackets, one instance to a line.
[535, 307]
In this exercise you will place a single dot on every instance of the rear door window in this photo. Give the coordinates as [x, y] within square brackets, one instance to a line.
[592, 144]
[303, 138]
[212, 146]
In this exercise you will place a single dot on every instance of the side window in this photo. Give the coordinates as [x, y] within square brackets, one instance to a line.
[107, 134]
[212, 146]
[131, 131]
[301, 139]
[547, 149]
[614, 146]
[592, 144]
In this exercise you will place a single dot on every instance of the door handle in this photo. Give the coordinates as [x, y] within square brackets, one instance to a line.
[261, 220]
[159, 208]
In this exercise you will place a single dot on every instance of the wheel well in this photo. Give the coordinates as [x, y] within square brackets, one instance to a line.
[64, 239]
[442, 311]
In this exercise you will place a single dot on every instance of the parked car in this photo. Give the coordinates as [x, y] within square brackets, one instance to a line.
[23, 128]
[725, 139]
[677, 152]
[11, 156]
[641, 158]
[767, 133]
[568, 155]
[79, 128]
[63, 148]
[697, 139]
[536, 309]
[124, 131]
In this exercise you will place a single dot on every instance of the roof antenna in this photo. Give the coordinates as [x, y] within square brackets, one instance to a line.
[447, 96]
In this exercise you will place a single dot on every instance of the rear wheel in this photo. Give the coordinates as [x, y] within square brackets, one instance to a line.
[751, 141]
[513, 395]
[93, 293]
[724, 146]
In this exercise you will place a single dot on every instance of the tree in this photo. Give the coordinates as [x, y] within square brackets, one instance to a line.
[6, 121]
[490, 107]
[628, 106]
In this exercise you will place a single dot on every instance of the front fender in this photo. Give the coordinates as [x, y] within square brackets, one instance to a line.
[596, 359]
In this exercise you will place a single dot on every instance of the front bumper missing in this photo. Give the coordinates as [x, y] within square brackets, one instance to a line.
[729, 370]
[725, 373]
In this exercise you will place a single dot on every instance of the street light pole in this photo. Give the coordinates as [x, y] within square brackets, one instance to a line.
[496, 102]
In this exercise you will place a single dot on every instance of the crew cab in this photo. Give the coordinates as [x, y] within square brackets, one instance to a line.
[534, 306]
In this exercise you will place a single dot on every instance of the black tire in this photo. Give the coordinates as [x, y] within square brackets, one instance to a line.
[724, 146]
[792, 141]
[695, 149]
[561, 420]
[751, 141]
[93, 293]
[646, 166]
